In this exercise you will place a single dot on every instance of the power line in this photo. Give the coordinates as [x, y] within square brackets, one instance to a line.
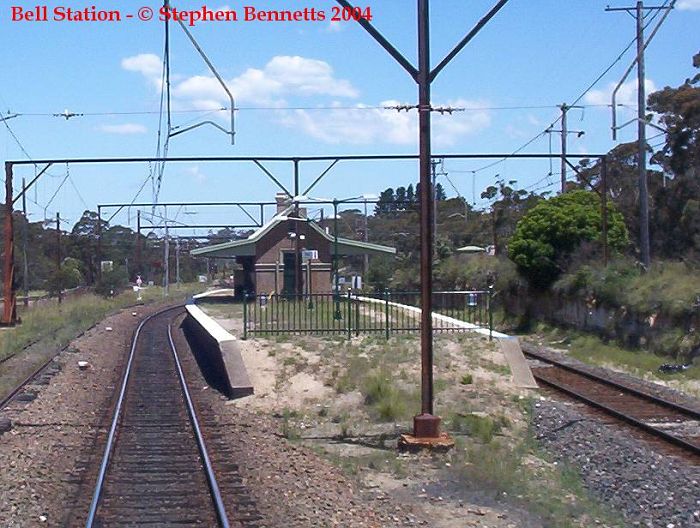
[109, 113]
[14, 136]
[576, 101]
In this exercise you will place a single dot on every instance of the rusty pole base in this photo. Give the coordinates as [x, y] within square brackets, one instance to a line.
[426, 435]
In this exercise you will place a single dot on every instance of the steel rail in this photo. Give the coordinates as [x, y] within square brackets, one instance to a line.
[211, 477]
[115, 420]
[693, 448]
[680, 408]
[7, 399]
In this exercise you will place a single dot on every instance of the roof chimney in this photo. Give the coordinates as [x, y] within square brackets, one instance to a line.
[283, 202]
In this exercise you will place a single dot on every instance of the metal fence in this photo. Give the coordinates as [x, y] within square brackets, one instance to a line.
[351, 313]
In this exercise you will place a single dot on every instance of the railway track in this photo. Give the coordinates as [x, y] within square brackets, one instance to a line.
[155, 469]
[672, 422]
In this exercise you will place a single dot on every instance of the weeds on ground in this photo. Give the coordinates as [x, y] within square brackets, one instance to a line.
[554, 492]
[289, 429]
[386, 401]
[50, 327]
[55, 325]
[481, 427]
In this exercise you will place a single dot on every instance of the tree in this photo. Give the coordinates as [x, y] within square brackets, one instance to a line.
[440, 192]
[385, 205]
[554, 228]
[84, 241]
[679, 111]
[69, 276]
[410, 195]
[676, 216]
[508, 208]
[400, 198]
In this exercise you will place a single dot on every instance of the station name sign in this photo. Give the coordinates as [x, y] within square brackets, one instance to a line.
[190, 17]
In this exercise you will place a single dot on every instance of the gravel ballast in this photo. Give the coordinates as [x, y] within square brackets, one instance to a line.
[292, 486]
[647, 488]
[51, 436]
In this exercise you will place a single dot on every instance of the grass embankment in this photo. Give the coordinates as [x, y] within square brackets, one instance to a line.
[594, 351]
[668, 295]
[47, 328]
[496, 460]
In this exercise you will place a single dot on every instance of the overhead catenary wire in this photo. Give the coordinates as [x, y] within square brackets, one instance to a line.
[576, 101]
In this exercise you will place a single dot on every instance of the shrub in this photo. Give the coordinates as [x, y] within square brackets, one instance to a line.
[467, 379]
[388, 401]
[554, 228]
[112, 282]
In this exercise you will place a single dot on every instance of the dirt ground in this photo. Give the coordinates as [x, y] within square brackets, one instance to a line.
[318, 390]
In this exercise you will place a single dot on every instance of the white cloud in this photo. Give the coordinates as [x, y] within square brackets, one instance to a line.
[195, 172]
[334, 26]
[282, 76]
[125, 129]
[626, 95]
[148, 65]
[689, 5]
[367, 125]
[294, 76]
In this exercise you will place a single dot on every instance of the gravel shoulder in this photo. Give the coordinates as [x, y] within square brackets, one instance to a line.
[647, 488]
[52, 441]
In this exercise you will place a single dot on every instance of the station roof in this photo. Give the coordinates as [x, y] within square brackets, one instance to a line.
[246, 247]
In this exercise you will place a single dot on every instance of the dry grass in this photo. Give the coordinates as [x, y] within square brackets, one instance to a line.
[45, 329]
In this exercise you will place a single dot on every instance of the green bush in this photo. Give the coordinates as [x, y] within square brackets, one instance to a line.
[112, 282]
[554, 228]
[63, 279]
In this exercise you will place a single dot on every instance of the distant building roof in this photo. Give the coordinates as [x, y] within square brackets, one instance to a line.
[471, 249]
[246, 247]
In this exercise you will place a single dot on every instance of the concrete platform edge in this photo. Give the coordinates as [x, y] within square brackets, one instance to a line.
[224, 349]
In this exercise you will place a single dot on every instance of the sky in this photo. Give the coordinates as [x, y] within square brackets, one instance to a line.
[315, 88]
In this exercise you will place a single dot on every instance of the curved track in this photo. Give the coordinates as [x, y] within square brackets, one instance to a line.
[155, 469]
[672, 422]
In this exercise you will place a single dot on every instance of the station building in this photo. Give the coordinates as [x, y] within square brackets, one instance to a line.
[289, 254]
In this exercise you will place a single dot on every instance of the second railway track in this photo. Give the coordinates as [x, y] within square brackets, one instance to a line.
[672, 422]
[155, 469]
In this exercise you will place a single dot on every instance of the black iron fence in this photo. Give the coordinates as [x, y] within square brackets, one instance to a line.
[355, 313]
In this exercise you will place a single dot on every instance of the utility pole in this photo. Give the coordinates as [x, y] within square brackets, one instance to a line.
[433, 166]
[177, 261]
[25, 267]
[139, 271]
[58, 254]
[166, 258]
[638, 12]
[644, 244]
[426, 426]
[366, 239]
[564, 133]
[99, 242]
[564, 141]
